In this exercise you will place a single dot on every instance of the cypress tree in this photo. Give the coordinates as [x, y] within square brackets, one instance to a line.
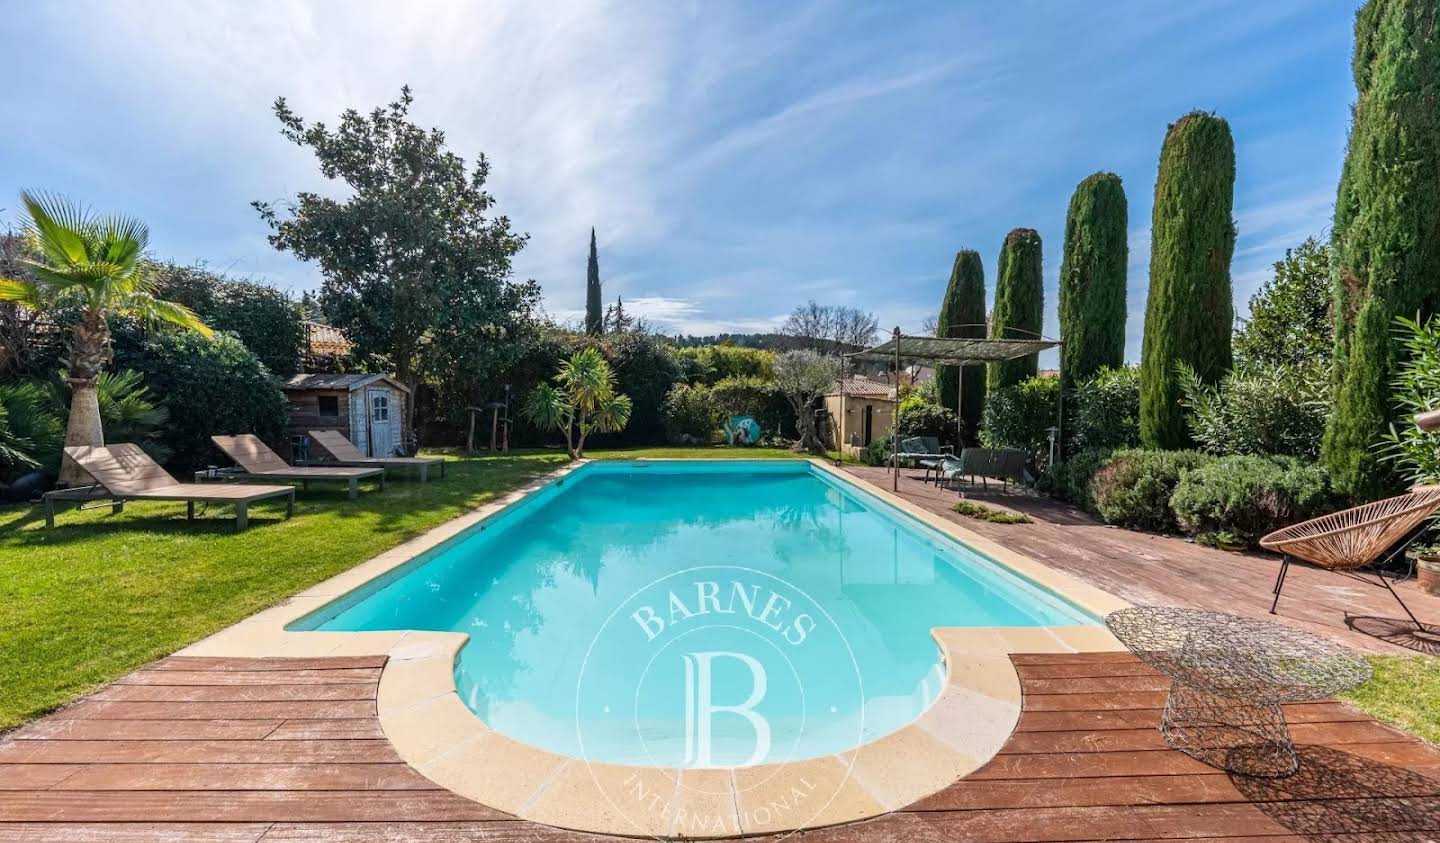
[1385, 259]
[1189, 312]
[594, 316]
[1092, 279]
[962, 314]
[1019, 312]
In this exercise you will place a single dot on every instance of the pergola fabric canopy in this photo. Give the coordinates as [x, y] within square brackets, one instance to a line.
[951, 351]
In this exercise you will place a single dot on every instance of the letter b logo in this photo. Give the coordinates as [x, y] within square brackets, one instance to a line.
[700, 707]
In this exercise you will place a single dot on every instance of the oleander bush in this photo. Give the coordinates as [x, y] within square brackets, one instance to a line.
[1270, 410]
[1105, 410]
[1249, 496]
[1134, 487]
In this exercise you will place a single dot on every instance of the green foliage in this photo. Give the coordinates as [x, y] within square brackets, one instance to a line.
[803, 376]
[962, 314]
[267, 320]
[1416, 453]
[1189, 312]
[583, 400]
[752, 396]
[1134, 487]
[876, 453]
[1020, 416]
[981, 512]
[31, 431]
[1249, 496]
[710, 364]
[919, 417]
[690, 413]
[1273, 410]
[1387, 213]
[1105, 410]
[129, 412]
[1072, 477]
[208, 387]
[594, 319]
[645, 369]
[1019, 311]
[1092, 279]
[416, 264]
[1292, 320]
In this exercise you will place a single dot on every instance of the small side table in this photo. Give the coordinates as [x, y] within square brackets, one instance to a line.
[1229, 676]
[220, 475]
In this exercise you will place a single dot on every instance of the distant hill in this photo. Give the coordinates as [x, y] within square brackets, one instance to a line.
[768, 342]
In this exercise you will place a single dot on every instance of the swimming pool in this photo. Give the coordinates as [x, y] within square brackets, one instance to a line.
[698, 613]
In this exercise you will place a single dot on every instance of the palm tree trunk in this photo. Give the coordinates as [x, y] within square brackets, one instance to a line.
[82, 429]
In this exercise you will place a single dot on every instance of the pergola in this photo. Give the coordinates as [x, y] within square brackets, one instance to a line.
[950, 351]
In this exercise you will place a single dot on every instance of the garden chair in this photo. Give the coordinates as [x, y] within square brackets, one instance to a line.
[1004, 464]
[126, 473]
[1346, 541]
[913, 449]
[346, 454]
[261, 463]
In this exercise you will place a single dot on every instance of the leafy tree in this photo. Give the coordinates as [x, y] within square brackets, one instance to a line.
[710, 364]
[830, 328]
[582, 400]
[645, 369]
[1386, 262]
[1092, 279]
[206, 387]
[1291, 322]
[962, 314]
[1020, 416]
[1106, 410]
[267, 320]
[96, 262]
[689, 411]
[616, 320]
[1019, 312]
[1269, 410]
[1189, 313]
[1417, 390]
[416, 265]
[803, 376]
[594, 321]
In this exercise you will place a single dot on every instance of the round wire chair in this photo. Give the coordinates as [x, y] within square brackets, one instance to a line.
[1353, 538]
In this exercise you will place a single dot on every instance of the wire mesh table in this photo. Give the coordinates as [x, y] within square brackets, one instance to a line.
[1228, 678]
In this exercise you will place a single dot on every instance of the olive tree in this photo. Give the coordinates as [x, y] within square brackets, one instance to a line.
[804, 376]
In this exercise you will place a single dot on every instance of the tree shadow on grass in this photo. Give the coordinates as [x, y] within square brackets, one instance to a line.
[1338, 796]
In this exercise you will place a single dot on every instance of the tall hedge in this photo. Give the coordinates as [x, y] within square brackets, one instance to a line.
[1019, 311]
[962, 314]
[1092, 279]
[1189, 313]
[1386, 249]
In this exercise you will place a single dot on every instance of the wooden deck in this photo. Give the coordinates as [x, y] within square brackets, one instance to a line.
[1164, 570]
[219, 750]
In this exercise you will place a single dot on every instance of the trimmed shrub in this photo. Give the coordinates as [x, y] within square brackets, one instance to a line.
[690, 412]
[645, 369]
[918, 417]
[754, 397]
[208, 386]
[1105, 410]
[1189, 313]
[1019, 312]
[267, 320]
[1071, 479]
[962, 314]
[1021, 415]
[1249, 496]
[876, 453]
[1281, 410]
[1092, 279]
[1387, 212]
[710, 364]
[1134, 488]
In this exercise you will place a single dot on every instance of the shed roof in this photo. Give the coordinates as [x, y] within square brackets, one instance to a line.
[859, 385]
[350, 382]
[952, 350]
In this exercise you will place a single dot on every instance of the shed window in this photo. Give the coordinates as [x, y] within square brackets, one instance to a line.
[329, 406]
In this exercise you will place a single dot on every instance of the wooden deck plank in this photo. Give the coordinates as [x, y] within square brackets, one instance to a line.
[34, 776]
[1094, 701]
[267, 664]
[1095, 684]
[262, 710]
[241, 806]
[67, 832]
[360, 675]
[392, 776]
[234, 693]
[309, 730]
[498, 831]
[148, 730]
[197, 752]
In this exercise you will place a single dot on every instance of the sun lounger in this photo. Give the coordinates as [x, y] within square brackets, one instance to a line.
[126, 473]
[261, 463]
[345, 453]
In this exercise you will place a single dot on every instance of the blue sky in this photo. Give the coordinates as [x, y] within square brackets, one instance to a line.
[736, 158]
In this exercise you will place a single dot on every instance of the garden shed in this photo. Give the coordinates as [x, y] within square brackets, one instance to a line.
[863, 409]
[369, 409]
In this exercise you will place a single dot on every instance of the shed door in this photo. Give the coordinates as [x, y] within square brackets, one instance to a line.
[869, 422]
[378, 400]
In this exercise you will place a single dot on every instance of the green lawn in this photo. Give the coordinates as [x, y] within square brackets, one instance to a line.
[101, 594]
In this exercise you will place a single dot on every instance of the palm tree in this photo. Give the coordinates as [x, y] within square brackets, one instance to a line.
[584, 400]
[94, 261]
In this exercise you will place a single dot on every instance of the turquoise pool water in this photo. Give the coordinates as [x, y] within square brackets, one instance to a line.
[698, 613]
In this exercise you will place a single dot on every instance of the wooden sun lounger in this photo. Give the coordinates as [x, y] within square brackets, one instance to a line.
[126, 473]
[261, 463]
[345, 453]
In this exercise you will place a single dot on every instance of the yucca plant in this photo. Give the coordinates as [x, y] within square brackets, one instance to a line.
[97, 261]
[583, 400]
